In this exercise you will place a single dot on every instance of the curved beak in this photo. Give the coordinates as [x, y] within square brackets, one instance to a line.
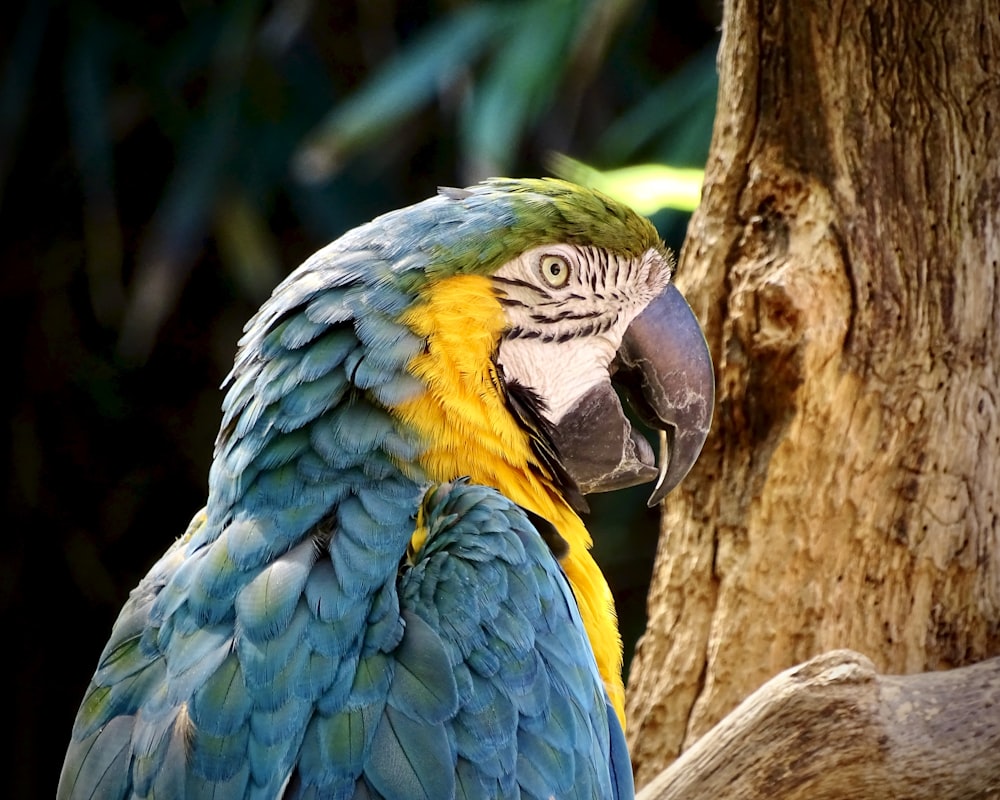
[666, 370]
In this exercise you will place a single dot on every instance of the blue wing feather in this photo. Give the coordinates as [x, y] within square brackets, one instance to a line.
[498, 694]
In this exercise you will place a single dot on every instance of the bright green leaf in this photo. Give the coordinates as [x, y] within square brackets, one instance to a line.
[647, 188]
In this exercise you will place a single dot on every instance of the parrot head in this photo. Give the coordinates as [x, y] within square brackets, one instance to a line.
[583, 320]
[491, 325]
[563, 297]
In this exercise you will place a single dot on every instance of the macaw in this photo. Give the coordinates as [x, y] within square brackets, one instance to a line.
[389, 593]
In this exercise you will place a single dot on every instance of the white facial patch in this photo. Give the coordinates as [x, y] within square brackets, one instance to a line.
[565, 329]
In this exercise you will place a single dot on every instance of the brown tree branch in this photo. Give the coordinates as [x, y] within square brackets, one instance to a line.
[833, 729]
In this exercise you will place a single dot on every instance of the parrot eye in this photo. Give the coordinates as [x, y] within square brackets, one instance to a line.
[555, 270]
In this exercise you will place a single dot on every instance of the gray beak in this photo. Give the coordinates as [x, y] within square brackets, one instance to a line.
[666, 369]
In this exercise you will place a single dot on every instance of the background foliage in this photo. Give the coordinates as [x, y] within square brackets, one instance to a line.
[163, 165]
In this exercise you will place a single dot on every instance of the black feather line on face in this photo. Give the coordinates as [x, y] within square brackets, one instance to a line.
[561, 314]
[500, 281]
[526, 407]
[602, 324]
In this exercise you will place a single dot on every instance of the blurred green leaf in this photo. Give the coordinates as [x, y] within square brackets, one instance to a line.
[647, 188]
[437, 59]
[672, 123]
[185, 211]
[16, 88]
[506, 62]
[247, 246]
[88, 81]
[517, 84]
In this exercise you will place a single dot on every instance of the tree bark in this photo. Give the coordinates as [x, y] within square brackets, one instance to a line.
[921, 737]
[844, 263]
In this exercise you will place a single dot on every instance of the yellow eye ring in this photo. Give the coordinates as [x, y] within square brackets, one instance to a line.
[554, 270]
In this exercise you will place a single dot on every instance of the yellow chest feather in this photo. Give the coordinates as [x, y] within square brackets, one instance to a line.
[470, 432]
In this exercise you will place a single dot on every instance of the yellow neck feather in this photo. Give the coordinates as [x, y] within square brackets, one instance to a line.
[471, 433]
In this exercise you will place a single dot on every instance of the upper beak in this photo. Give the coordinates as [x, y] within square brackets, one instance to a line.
[666, 368]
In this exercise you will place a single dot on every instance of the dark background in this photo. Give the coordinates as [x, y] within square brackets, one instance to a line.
[162, 166]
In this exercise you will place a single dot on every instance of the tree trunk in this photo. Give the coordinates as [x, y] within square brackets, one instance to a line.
[844, 262]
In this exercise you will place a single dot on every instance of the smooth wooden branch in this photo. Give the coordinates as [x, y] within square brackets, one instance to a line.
[832, 728]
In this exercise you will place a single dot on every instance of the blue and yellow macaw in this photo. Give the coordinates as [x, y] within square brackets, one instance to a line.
[389, 593]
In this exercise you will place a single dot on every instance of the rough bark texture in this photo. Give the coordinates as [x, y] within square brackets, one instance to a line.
[844, 261]
[921, 737]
